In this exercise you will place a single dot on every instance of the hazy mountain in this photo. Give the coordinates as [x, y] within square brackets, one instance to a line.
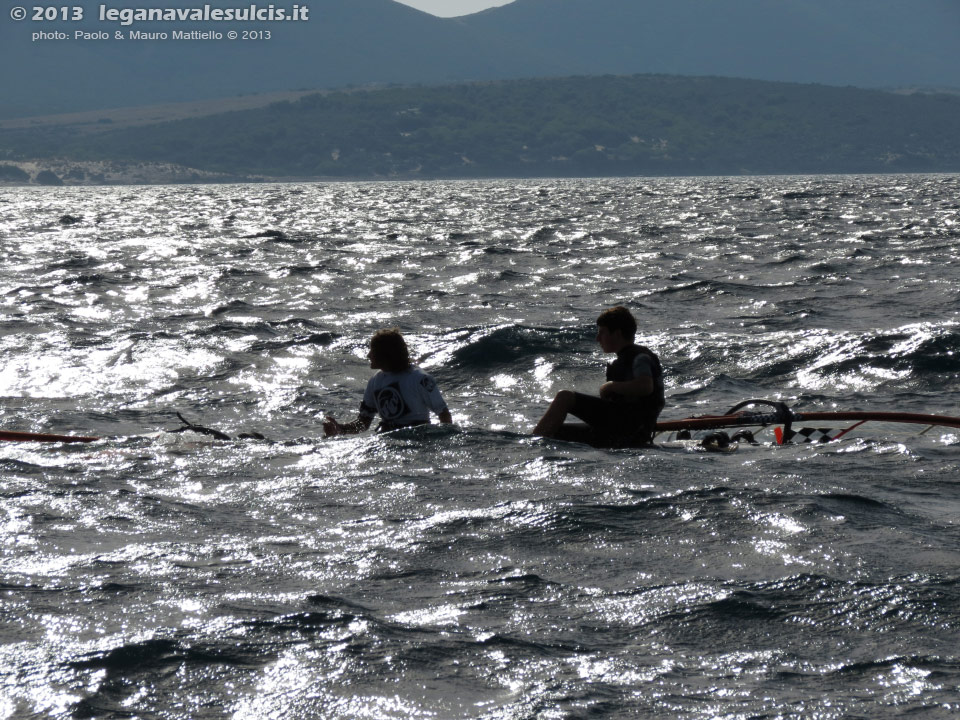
[870, 43]
[581, 126]
[867, 43]
[344, 42]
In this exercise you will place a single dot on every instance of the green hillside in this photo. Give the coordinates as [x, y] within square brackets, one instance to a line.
[636, 125]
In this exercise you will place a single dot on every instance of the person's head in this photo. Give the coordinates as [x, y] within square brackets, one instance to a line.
[615, 328]
[388, 351]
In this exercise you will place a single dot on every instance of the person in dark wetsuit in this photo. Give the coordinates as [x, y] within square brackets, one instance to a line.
[403, 395]
[630, 400]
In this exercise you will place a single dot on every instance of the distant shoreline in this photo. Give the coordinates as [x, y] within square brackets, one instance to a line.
[609, 126]
[114, 118]
[146, 176]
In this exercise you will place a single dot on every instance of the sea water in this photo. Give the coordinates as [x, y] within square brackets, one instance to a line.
[475, 571]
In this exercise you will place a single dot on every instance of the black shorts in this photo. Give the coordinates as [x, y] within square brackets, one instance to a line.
[608, 423]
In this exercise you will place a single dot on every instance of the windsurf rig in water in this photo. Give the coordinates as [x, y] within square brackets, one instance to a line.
[747, 416]
[213, 432]
[782, 419]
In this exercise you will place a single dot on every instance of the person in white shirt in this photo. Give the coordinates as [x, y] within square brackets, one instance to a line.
[402, 394]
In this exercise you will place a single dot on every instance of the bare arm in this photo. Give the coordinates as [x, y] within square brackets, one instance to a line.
[332, 427]
[628, 389]
[445, 417]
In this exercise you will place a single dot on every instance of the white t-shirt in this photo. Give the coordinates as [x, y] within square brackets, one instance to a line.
[403, 398]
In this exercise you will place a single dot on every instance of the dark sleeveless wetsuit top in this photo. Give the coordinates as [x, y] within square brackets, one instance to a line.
[645, 409]
[619, 422]
[622, 369]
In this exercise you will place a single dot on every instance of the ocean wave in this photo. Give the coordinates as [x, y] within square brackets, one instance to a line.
[911, 358]
[128, 672]
[485, 348]
[474, 571]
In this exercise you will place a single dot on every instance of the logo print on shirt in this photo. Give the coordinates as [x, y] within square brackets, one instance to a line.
[390, 402]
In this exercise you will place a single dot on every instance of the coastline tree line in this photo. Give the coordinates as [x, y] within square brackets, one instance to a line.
[580, 126]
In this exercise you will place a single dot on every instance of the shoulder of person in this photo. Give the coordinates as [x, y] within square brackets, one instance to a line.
[644, 359]
[426, 380]
[380, 377]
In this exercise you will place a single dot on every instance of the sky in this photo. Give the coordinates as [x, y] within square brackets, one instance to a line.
[453, 8]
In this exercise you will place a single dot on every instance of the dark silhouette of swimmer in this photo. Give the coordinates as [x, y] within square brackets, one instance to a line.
[625, 413]
[401, 393]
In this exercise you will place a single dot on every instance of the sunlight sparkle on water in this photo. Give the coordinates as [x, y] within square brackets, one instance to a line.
[475, 572]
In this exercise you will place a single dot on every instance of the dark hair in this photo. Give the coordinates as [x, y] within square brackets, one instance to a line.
[390, 349]
[619, 318]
